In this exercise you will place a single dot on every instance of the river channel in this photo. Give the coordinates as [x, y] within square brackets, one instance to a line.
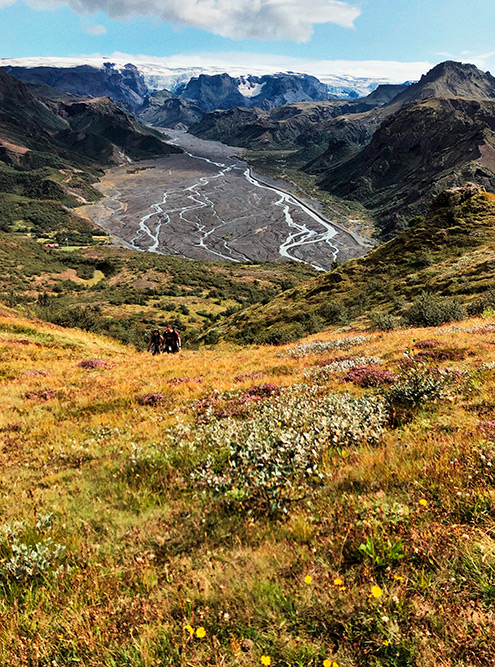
[207, 204]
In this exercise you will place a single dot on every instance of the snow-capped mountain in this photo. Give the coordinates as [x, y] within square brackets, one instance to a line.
[158, 75]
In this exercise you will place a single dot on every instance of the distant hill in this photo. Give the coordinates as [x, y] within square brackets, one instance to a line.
[162, 109]
[450, 79]
[449, 253]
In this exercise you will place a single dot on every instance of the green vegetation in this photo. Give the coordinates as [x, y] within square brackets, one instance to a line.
[233, 507]
[435, 271]
[133, 292]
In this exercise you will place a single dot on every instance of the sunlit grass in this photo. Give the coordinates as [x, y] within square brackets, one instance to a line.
[151, 550]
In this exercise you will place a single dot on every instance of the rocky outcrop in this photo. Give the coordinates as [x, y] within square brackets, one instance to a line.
[162, 109]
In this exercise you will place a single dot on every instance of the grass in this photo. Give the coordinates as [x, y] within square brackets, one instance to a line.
[448, 254]
[150, 548]
[126, 293]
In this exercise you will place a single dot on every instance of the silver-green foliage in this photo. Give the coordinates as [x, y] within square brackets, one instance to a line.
[320, 347]
[27, 554]
[324, 373]
[278, 454]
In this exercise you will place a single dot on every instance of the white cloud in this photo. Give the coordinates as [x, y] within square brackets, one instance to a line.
[481, 60]
[96, 30]
[6, 3]
[237, 19]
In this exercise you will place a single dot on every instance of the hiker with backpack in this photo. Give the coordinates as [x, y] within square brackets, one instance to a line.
[156, 342]
[171, 340]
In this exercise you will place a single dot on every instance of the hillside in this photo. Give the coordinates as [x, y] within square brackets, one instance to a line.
[144, 521]
[389, 152]
[415, 154]
[125, 85]
[125, 293]
[448, 253]
[52, 151]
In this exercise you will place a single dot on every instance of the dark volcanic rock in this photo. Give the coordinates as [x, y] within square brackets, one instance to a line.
[450, 79]
[161, 109]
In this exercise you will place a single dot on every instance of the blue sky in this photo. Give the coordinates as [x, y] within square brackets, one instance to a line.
[392, 31]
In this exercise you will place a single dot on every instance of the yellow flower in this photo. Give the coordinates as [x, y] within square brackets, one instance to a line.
[423, 502]
[338, 581]
[201, 632]
[376, 592]
[385, 642]
[308, 579]
[266, 660]
[330, 663]
[189, 629]
[397, 577]
[343, 588]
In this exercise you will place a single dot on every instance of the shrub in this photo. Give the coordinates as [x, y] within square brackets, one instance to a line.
[93, 363]
[427, 344]
[370, 376]
[417, 385]
[277, 456]
[320, 347]
[484, 302]
[151, 399]
[384, 321]
[429, 310]
[26, 554]
[441, 354]
[324, 373]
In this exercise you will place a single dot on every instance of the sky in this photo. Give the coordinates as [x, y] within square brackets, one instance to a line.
[395, 38]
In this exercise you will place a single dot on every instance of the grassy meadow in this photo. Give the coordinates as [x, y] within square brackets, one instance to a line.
[316, 504]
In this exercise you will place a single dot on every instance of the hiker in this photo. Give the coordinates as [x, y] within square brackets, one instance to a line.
[156, 342]
[171, 340]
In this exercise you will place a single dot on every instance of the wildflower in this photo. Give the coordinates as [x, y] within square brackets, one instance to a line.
[200, 633]
[376, 591]
[338, 581]
[266, 660]
[189, 629]
[423, 502]
[397, 577]
[385, 642]
[343, 588]
[308, 579]
[330, 663]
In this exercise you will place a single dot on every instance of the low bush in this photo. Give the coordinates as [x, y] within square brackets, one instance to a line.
[429, 310]
[326, 372]
[370, 376]
[417, 385]
[27, 554]
[320, 347]
[278, 455]
[384, 321]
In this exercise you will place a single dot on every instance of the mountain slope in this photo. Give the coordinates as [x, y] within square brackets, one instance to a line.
[51, 150]
[231, 505]
[449, 253]
[450, 79]
[162, 109]
[125, 85]
[416, 153]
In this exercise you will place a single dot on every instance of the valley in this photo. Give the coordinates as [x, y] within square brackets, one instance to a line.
[207, 204]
